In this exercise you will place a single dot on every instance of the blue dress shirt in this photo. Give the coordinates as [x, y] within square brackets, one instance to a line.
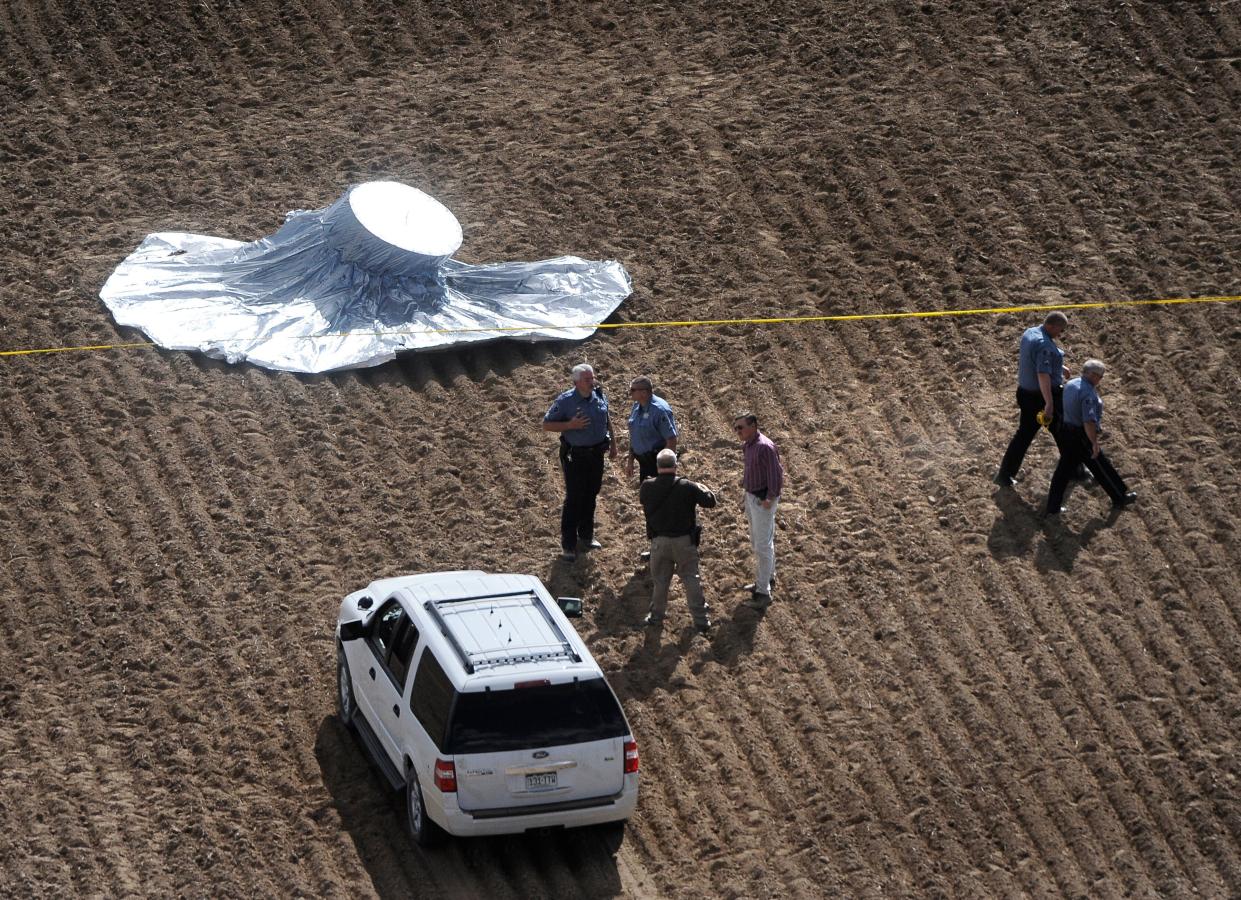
[593, 407]
[1038, 353]
[1082, 403]
[651, 426]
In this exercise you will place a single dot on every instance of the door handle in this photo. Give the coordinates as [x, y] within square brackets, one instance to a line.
[396, 710]
[372, 673]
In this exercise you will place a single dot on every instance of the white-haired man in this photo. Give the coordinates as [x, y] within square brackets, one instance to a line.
[580, 416]
[1079, 436]
[671, 506]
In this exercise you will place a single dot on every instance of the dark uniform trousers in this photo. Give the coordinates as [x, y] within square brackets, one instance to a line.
[1074, 452]
[646, 463]
[583, 477]
[1031, 404]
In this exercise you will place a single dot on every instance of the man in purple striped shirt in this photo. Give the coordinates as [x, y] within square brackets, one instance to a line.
[763, 480]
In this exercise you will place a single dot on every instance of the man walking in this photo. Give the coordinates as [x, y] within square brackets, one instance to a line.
[671, 506]
[763, 480]
[580, 415]
[652, 427]
[1040, 374]
[1083, 417]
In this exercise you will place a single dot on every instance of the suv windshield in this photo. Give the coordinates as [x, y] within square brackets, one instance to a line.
[548, 715]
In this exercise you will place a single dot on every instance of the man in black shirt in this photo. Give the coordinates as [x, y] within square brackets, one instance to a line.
[670, 504]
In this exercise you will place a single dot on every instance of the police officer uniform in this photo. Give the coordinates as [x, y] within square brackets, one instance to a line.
[581, 460]
[1082, 404]
[1038, 353]
[650, 427]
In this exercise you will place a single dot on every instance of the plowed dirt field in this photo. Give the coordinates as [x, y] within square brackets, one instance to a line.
[949, 696]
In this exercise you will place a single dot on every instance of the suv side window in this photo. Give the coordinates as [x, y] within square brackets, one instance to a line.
[431, 699]
[403, 651]
[384, 630]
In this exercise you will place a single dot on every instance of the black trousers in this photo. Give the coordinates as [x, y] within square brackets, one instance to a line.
[583, 477]
[1075, 451]
[1031, 404]
[646, 462]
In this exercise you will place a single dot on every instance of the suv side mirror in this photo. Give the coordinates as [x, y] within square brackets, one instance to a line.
[351, 631]
[570, 606]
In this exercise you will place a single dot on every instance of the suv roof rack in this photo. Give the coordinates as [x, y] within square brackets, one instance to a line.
[492, 630]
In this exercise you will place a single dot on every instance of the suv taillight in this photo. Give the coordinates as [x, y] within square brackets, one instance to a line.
[631, 756]
[446, 776]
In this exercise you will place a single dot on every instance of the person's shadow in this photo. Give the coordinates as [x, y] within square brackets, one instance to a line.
[652, 665]
[510, 866]
[734, 637]
[1012, 533]
[1060, 547]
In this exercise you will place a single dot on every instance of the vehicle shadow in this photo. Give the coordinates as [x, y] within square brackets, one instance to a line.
[574, 863]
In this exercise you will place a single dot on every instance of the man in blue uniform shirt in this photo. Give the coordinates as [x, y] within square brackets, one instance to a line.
[1080, 432]
[652, 427]
[580, 416]
[1040, 375]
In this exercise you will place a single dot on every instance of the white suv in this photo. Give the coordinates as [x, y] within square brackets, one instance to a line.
[476, 696]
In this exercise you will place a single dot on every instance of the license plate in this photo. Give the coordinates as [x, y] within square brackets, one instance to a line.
[541, 782]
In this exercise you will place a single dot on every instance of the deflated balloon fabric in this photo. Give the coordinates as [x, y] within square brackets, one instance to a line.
[351, 285]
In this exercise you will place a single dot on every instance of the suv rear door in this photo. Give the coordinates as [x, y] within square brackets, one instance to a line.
[537, 744]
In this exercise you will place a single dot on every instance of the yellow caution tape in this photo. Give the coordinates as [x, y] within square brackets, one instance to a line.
[698, 323]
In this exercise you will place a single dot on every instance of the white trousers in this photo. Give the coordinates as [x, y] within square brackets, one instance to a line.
[763, 540]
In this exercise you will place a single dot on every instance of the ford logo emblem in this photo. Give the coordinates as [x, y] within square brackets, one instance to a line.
[541, 754]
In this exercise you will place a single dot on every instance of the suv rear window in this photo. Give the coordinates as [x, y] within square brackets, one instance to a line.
[537, 716]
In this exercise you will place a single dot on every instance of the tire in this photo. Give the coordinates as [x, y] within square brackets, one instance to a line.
[424, 831]
[346, 706]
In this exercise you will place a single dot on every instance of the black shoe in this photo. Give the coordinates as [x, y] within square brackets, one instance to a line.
[568, 555]
[1054, 513]
[645, 555]
[1127, 500]
[592, 544]
[703, 627]
[1005, 480]
[757, 601]
[652, 619]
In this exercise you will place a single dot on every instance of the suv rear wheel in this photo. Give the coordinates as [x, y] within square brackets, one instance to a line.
[346, 708]
[424, 832]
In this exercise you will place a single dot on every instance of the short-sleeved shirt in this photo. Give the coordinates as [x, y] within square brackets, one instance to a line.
[1038, 353]
[1082, 403]
[651, 426]
[594, 407]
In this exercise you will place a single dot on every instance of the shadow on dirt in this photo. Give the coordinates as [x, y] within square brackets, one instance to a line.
[575, 863]
[653, 664]
[1059, 551]
[1012, 534]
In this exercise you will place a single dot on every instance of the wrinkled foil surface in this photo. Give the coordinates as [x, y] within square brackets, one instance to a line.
[323, 294]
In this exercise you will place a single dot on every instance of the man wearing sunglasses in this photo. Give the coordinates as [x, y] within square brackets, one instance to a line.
[763, 480]
[652, 427]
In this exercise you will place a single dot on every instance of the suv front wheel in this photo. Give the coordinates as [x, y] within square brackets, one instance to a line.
[424, 832]
[346, 708]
